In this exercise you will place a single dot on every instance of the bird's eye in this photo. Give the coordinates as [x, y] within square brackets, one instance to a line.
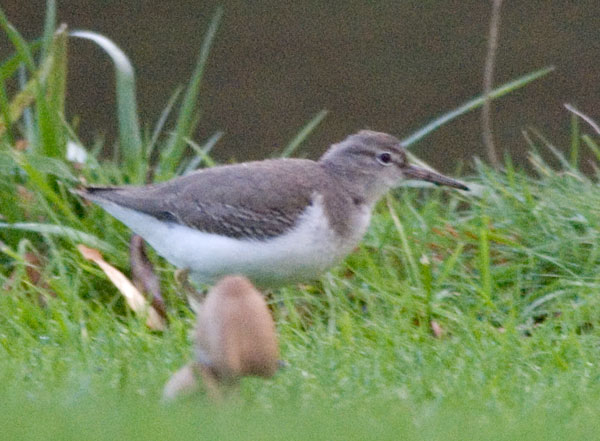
[384, 158]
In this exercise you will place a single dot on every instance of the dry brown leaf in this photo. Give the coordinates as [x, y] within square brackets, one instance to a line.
[33, 266]
[143, 275]
[437, 329]
[21, 145]
[34, 263]
[136, 301]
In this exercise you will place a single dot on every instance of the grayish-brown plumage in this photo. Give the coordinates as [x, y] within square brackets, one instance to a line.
[233, 200]
[264, 201]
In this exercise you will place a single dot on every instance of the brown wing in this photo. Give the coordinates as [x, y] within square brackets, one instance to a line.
[245, 200]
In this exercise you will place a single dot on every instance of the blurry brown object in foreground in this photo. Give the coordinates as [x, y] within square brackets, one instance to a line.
[234, 337]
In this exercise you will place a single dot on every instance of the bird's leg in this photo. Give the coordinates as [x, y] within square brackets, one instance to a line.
[194, 297]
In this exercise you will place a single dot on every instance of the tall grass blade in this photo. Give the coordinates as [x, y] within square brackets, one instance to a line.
[203, 153]
[38, 179]
[158, 128]
[5, 122]
[11, 65]
[541, 301]
[57, 77]
[484, 264]
[27, 113]
[27, 95]
[303, 134]
[558, 154]
[49, 27]
[172, 154]
[589, 142]
[474, 104]
[413, 269]
[575, 141]
[449, 265]
[51, 98]
[51, 166]
[17, 41]
[130, 139]
[61, 231]
[593, 124]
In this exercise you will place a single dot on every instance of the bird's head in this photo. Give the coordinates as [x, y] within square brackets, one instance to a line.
[378, 162]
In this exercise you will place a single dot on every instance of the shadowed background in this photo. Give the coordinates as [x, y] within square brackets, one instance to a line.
[389, 66]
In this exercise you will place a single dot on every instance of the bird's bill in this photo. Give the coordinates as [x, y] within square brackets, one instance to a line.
[422, 174]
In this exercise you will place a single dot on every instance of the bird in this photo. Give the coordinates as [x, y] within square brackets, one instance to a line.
[234, 337]
[275, 221]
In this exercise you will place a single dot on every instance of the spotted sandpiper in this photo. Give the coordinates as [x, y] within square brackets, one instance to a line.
[275, 221]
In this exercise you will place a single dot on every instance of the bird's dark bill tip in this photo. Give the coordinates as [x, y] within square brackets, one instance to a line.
[422, 174]
[459, 185]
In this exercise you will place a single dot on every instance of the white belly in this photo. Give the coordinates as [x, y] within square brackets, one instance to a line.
[300, 254]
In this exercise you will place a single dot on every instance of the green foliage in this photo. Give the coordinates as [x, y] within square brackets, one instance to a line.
[173, 152]
[130, 141]
[303, 133]
[474, 104]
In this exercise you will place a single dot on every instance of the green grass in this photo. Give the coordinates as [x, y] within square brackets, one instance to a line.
[509, 274]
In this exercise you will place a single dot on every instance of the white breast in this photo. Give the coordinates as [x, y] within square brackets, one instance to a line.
[300, 254]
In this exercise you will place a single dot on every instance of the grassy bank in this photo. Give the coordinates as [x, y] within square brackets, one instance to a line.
[459, 317]
[510, 279]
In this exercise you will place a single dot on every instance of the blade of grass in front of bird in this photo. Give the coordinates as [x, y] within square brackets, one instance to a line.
[130, 139]
[18, 42]
[408, 255]
[303, 134]
[449, 265]
[61, 231]
[173, 152]
[474, 104]
[484, 264]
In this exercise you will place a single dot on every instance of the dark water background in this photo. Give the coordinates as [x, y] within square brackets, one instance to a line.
[385, 65]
